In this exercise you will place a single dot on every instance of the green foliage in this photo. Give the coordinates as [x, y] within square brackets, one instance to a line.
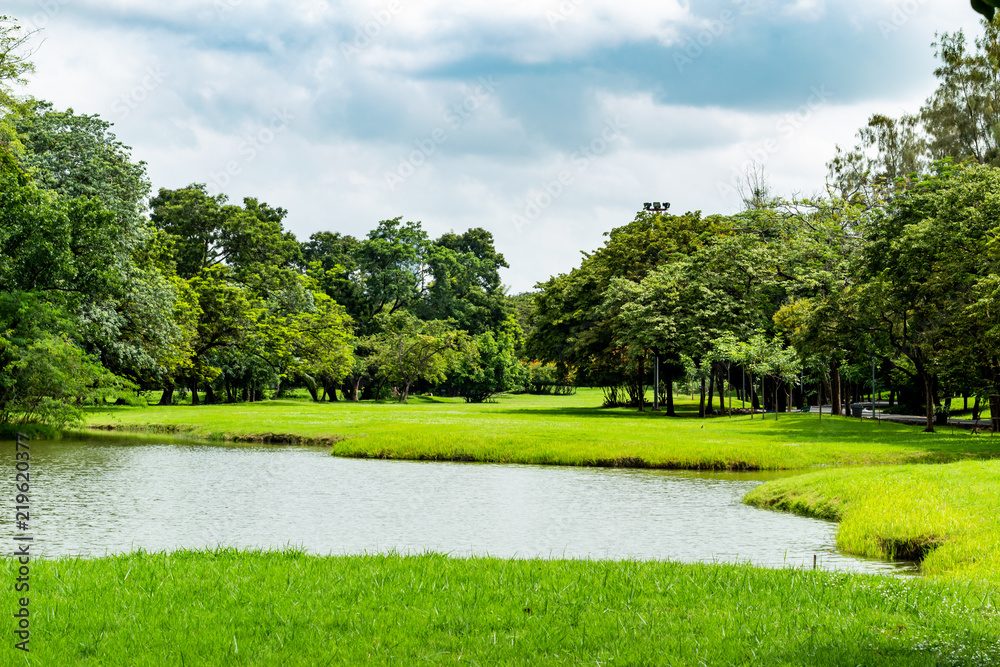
[545, 378]
[465, 282]
[409, 349]
[489, 364]
[14, 62]
[960, 120]
[44, 377]
[207, 232]
[985, 7]
[573, 324]
[79, 156]
[925, 260]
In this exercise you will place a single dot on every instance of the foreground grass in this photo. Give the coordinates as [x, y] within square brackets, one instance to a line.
[558, 430]
[947, 514]
[252, 608]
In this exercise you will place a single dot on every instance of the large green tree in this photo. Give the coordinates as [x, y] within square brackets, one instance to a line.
[921, 265]
[408, 349]
[572, 325]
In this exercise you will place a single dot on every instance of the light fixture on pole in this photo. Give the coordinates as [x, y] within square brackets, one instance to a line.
[656, 207]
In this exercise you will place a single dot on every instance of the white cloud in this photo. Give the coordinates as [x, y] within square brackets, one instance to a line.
[809, 10]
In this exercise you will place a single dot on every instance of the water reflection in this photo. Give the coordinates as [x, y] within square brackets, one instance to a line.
[104, 495]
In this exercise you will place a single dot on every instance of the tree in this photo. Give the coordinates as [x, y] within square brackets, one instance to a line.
[382, 273]
[573, 324]
[14, 65]
[679, 308]
[208, 232]
[889, 149]
[465, 281]
[985, 7]
[226, 314]
[65, 264]
[962, 117]
[306, 335]
[14, 61]
[409, 349]
[79, 156]
[920, 267]
[391, 267]
[45, 377]
[489, 365]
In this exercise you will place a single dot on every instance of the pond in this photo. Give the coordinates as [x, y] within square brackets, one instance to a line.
[109, 495]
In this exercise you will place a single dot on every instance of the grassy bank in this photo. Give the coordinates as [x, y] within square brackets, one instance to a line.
[251, 608]
[560, 430]
[949, 515]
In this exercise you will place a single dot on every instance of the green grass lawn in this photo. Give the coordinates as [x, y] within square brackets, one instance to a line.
[228, 607]
[948, 513]
[559, 430]
[286, 608]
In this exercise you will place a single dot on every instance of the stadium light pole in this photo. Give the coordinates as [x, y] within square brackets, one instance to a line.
[656, 207]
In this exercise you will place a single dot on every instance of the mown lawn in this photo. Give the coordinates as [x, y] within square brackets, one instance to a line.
[895, 490]
[948, 515]
[285, 608]
[559, 430]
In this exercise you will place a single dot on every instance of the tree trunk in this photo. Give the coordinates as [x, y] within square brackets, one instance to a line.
[819, 399]
[406, 393]
[670, 397]
[836, 397]
[168, 395]
[995, 411]
[711, 393]
[194, 392]
[722, 392]
[311, 386]
[209, 394]
[701, 403]
[230, 392]
[329, 387]
[977, 408]
[929, 398]
[776, 406]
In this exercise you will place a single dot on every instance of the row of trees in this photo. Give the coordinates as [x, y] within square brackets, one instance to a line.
[894, 272]
[105, 289]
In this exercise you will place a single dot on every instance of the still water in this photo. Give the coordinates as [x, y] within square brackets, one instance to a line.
[111, 495]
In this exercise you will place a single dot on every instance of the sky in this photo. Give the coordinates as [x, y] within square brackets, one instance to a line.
[546, 122]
